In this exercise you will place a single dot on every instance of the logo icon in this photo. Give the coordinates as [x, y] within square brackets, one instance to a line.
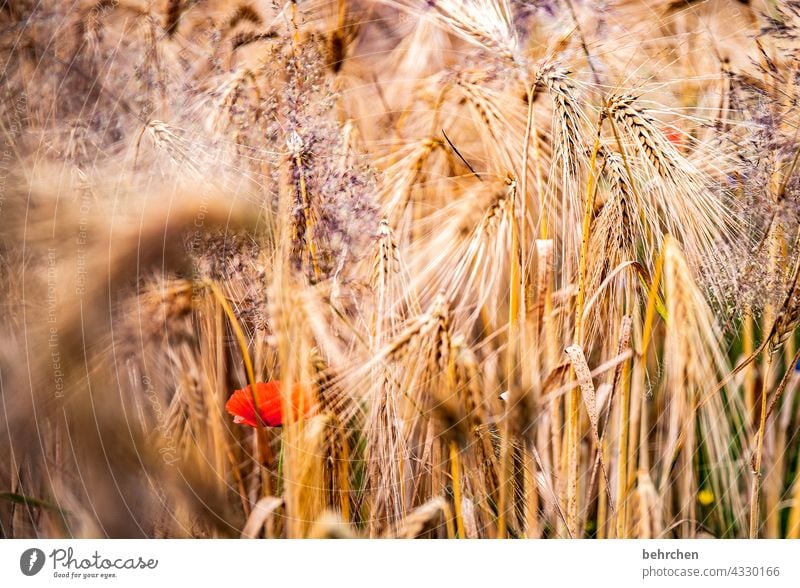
[31, 561]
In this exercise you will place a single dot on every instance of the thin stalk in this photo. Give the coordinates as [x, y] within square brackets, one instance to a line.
[502, 502]
[769, 318]
[531, 495]
[456, 475]
[622, 454]
[344, 476]
[793, 528]
[750, 373]
[755, 490]
[511, 360]
[602, 499]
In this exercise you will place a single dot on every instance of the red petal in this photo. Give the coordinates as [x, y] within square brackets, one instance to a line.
[269, 403]
[240, 404]
[674, 136]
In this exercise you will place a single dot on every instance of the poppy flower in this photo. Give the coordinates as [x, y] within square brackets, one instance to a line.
[270, 405]
[674, 136]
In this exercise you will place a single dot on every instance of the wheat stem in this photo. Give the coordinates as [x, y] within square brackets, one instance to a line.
[755, 489]
[456, 475]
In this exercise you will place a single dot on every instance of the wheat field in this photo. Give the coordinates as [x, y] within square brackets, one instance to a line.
[400, 268]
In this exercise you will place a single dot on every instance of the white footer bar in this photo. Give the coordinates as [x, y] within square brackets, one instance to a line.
[401, 564]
